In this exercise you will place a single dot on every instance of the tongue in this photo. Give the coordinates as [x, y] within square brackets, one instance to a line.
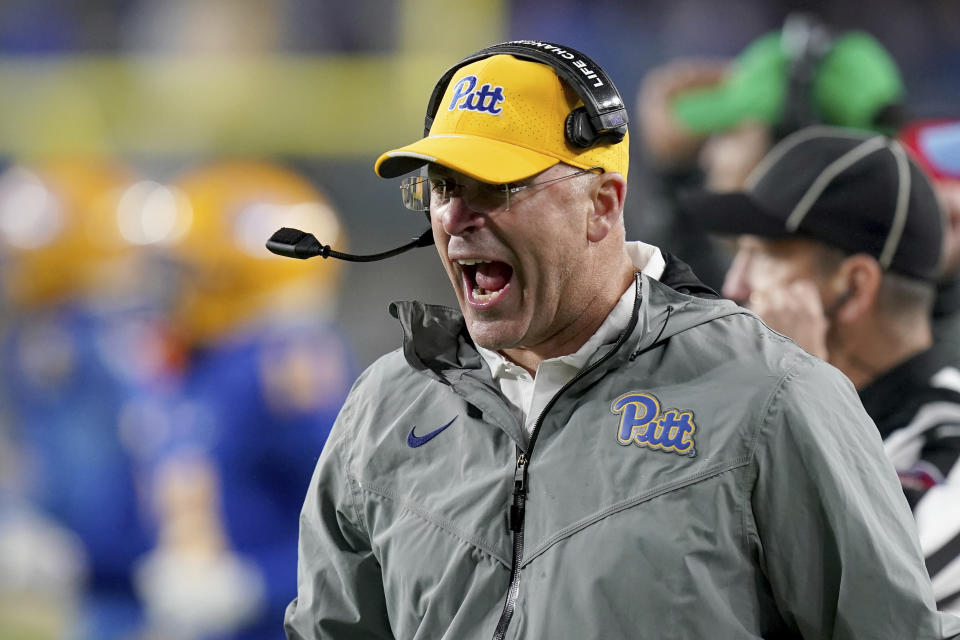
[493, 276]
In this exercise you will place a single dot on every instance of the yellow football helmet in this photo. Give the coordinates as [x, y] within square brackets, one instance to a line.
[60, 235]
[230, 279]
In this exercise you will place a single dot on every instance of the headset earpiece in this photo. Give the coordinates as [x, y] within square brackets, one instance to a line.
[581, 134]
[578, 130]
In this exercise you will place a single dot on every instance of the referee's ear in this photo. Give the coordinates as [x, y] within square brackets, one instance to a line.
[608, 194]
[860, 275]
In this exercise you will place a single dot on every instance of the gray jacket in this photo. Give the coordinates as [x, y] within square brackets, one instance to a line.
[701, 478]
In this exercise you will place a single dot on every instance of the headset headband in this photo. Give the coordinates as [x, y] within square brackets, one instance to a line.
[603, 118]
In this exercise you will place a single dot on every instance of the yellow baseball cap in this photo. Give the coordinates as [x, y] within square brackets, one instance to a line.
[502, 120]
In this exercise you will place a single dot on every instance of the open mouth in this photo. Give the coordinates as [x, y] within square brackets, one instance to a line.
[485, 281]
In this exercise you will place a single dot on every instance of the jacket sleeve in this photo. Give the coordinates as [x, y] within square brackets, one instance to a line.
[339, 582]
[836, 536]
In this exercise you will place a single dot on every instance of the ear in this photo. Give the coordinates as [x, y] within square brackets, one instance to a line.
[858, 279]
[608, 195]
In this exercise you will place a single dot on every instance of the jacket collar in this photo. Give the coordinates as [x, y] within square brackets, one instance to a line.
[437, 344]
[436, 340]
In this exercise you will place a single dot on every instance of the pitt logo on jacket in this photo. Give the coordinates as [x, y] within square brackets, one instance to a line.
[644, 424]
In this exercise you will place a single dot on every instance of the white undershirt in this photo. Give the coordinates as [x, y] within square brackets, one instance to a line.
[531, 394]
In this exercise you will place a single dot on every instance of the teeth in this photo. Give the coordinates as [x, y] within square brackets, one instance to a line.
[470, 261]
[484, 296]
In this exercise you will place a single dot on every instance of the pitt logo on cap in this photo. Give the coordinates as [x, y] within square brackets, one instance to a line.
[467, 96]
[644, 424]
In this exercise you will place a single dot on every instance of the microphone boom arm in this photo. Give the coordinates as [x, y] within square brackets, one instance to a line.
[293, 243]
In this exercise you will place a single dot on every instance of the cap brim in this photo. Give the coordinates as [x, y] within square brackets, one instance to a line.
[732, 214]
[753, 90]
[480, 158]
[709, 110]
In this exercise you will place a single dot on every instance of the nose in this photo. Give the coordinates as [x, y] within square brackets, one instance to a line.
[736, 284]
[458, 219]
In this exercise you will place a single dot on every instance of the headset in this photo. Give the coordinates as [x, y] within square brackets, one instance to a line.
[806, 41]
[601, 120]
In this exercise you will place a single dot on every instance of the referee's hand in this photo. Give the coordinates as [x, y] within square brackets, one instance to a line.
[796, 311]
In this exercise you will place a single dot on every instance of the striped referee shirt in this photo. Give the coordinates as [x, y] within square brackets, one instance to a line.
[916, 407]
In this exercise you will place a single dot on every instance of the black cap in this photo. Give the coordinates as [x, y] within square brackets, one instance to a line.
[859, 192]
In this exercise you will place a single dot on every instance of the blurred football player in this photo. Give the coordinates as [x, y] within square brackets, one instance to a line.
[80, 342]
[265, 372]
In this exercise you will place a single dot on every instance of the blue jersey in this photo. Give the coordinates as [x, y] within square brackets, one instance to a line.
[260, 406]
[67, 377]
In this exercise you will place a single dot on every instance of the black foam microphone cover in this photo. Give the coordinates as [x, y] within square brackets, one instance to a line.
[294, 243]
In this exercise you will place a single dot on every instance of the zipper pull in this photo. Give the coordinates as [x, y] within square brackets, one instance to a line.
[518, 481]
[519, 495]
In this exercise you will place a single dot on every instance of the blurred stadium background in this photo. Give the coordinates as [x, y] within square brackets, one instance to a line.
[326, 86]
[172, 106]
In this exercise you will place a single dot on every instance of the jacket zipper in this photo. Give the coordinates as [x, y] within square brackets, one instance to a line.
[518, 507]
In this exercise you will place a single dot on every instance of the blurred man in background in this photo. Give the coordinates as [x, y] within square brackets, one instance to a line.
[840, 251]
[80, 343]
[263, 371]
[708, 123]
[935, 145]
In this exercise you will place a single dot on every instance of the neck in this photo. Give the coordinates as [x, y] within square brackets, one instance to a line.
[581, 328]
[860, 360]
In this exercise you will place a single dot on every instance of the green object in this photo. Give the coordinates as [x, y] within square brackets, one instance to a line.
[855, 80]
